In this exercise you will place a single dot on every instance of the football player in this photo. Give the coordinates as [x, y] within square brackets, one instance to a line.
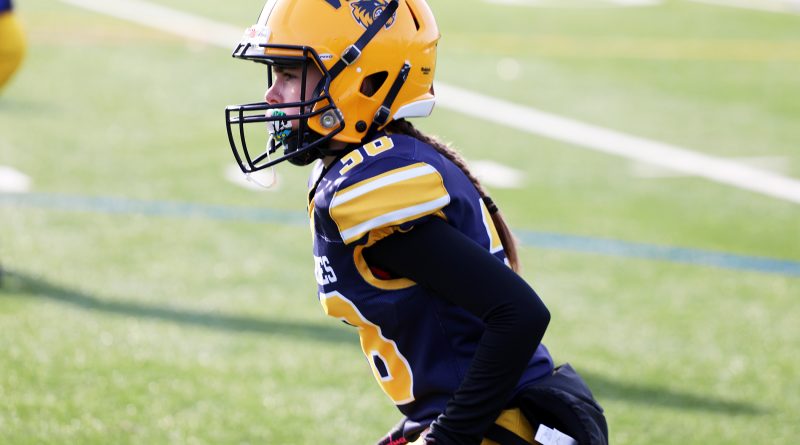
[12, 42]
[408, 247]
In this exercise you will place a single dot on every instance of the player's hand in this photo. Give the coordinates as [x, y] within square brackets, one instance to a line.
[396, 436]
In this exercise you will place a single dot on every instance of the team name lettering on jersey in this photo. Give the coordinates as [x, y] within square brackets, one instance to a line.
[323, 271]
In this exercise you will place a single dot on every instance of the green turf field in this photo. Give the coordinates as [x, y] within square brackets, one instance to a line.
[147, 300]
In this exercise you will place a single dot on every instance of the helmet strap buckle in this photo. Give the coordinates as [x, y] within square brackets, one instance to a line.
[351, 54]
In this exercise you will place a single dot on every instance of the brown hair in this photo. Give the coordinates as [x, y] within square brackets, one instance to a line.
[402, 126]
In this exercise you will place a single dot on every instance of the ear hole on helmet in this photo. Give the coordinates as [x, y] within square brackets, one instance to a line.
[373, 83]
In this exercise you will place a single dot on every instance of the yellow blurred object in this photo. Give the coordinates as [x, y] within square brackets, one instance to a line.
[12, 46]
[513, 420]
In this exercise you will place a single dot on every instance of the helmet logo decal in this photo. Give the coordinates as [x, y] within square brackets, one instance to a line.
[256, 35]
[366, 11]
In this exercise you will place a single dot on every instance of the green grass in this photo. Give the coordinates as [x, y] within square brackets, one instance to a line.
[134, 328]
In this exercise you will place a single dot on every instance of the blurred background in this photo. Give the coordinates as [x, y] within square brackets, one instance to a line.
[645, 152]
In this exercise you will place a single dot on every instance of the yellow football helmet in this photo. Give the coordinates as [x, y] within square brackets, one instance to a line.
[389, 45]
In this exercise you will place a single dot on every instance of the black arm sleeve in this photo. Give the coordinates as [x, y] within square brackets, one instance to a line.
[439, 257]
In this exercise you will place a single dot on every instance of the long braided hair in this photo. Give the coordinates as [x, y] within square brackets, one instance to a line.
[402, 126]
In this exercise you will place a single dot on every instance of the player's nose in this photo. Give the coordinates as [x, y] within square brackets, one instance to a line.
[272, 96]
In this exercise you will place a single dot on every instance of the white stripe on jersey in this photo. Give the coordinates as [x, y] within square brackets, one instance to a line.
[382, 182]
[397, 215]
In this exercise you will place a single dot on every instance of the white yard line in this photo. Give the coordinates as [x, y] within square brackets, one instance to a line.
[166, 19]
[13, 181]
[774, 164]
[497, 175]
[494, 110]
[613, 142]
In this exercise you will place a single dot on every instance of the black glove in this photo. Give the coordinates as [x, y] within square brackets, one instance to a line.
[405, 431]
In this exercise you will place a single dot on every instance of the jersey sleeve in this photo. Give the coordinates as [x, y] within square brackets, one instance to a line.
[387, 193]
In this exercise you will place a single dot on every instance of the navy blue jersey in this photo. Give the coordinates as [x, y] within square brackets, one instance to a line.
[418, 345]
[5, 5]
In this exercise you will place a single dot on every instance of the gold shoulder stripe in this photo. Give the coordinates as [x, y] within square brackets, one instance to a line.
[388, 199]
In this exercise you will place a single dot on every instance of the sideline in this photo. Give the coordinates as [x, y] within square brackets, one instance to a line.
[495, 110]
[542, 240]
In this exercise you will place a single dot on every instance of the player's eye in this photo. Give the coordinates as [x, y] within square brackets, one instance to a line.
[286, 76]
[282, 74]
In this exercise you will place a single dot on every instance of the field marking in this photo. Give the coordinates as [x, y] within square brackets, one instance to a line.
[620, 144]
[780, 6]
[166, 19]
[495, 174]
[528, 238]
[489, 109]
[13, 181]
[776, 164]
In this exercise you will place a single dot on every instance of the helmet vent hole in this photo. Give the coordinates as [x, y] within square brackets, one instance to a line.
[413, 16]
[373, 83]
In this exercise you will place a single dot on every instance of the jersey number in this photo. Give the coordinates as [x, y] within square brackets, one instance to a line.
[395, 378]
[374, 148]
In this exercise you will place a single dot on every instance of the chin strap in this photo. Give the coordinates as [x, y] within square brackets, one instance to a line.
[309, 155]
[384, 112]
